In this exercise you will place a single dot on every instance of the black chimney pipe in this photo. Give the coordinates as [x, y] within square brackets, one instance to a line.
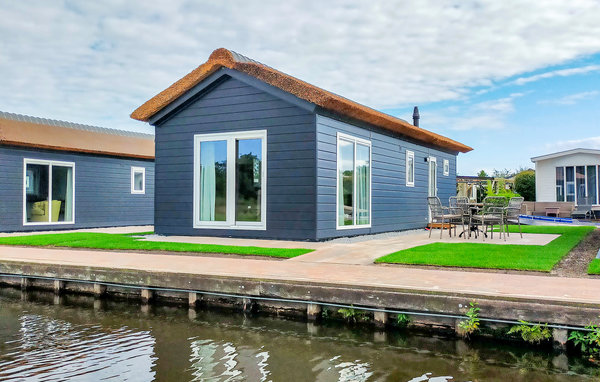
[416, 116]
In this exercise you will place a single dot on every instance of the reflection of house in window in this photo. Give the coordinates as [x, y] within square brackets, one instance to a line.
[49, 192]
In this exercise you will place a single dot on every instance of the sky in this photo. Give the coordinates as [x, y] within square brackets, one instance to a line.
[512, 79]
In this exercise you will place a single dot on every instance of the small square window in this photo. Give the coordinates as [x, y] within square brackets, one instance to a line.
[446, 167]
[138, 180]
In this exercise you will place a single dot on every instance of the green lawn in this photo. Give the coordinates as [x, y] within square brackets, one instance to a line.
[594, 268]
[495, 256]
[127, 241]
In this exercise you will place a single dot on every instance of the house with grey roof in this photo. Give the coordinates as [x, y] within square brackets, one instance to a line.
[62, 175]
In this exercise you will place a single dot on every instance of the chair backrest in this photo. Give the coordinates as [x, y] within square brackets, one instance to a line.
[453, 201]
[516, 202]
[462, 202]
[584, 204]
[514, 205]
[435, 205]
[494, 204]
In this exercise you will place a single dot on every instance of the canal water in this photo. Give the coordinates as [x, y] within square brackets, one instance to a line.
[43, 338]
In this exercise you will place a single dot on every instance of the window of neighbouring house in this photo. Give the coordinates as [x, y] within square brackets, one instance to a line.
[570, 183]
[353, 182]
[410, 168]
[230, 180]
[591, 184]
[580, 182]
[560, 184]
[138, 180]
[446, 167]
[49, 192]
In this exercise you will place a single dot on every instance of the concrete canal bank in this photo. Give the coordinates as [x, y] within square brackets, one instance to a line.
[435, 298]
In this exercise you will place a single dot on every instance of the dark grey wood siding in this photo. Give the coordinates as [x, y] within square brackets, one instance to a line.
[395, 206]
[102, 190]
[234, 105]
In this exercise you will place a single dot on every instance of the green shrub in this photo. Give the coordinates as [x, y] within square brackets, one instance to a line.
[532, 333]
[352, 315]
[525, 185]
[471, 324]
[403, 320]
[588, 342]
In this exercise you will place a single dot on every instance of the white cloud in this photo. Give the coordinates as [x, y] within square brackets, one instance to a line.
[486, 115]
[586, 143]
[94, 62]
[558, 73]
[571, 99]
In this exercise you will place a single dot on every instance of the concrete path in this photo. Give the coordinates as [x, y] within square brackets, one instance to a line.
[539, 288]
[361, 250]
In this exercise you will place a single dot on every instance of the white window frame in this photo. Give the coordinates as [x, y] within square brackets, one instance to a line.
[346, 137]
[230, 222]
[48, 163]
[410, 154]
[135, 170]
[446, 167]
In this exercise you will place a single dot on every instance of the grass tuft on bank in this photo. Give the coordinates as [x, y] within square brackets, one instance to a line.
[594, 267]
[496, 256]
[130, 242]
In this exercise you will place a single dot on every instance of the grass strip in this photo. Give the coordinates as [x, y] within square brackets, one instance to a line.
[594, 267]
[128, 242]
[496, 256]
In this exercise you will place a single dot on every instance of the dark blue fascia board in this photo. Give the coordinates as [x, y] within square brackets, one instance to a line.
[217, 77]
[197, 91]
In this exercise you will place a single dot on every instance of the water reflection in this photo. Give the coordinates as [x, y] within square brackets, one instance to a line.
[43, 341]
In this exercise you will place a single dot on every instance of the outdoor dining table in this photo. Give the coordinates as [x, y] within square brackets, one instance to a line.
[473, 209]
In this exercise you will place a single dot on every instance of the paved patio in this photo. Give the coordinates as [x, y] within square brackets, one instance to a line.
[360, 250]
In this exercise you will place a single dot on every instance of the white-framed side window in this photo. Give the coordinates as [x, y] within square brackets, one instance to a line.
[138, 180]
[410, 168]
[230, 180]
[446, 167]
[353, 202]
[48, 192]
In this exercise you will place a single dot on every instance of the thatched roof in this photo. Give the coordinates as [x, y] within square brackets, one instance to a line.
[329, 101]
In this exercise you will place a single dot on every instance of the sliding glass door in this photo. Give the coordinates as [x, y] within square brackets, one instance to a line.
[49, 191]
[354, 182]
[229, 180]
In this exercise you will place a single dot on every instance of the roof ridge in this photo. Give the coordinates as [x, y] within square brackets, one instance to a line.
[322, 98]
[72, 125]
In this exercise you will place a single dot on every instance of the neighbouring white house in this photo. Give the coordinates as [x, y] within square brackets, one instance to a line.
[567, 176]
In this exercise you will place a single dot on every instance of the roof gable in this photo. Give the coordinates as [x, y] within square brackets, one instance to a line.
[223, 58]
[565, 153]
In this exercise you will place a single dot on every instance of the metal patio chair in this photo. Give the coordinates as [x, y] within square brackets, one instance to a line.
[491, 214]
[443, 215]
[462, 203]
[584, 208]
[512, 213]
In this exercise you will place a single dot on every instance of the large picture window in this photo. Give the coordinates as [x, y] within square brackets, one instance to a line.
[353, 182]
[230, 180]
[573, 183]
[48, 192]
